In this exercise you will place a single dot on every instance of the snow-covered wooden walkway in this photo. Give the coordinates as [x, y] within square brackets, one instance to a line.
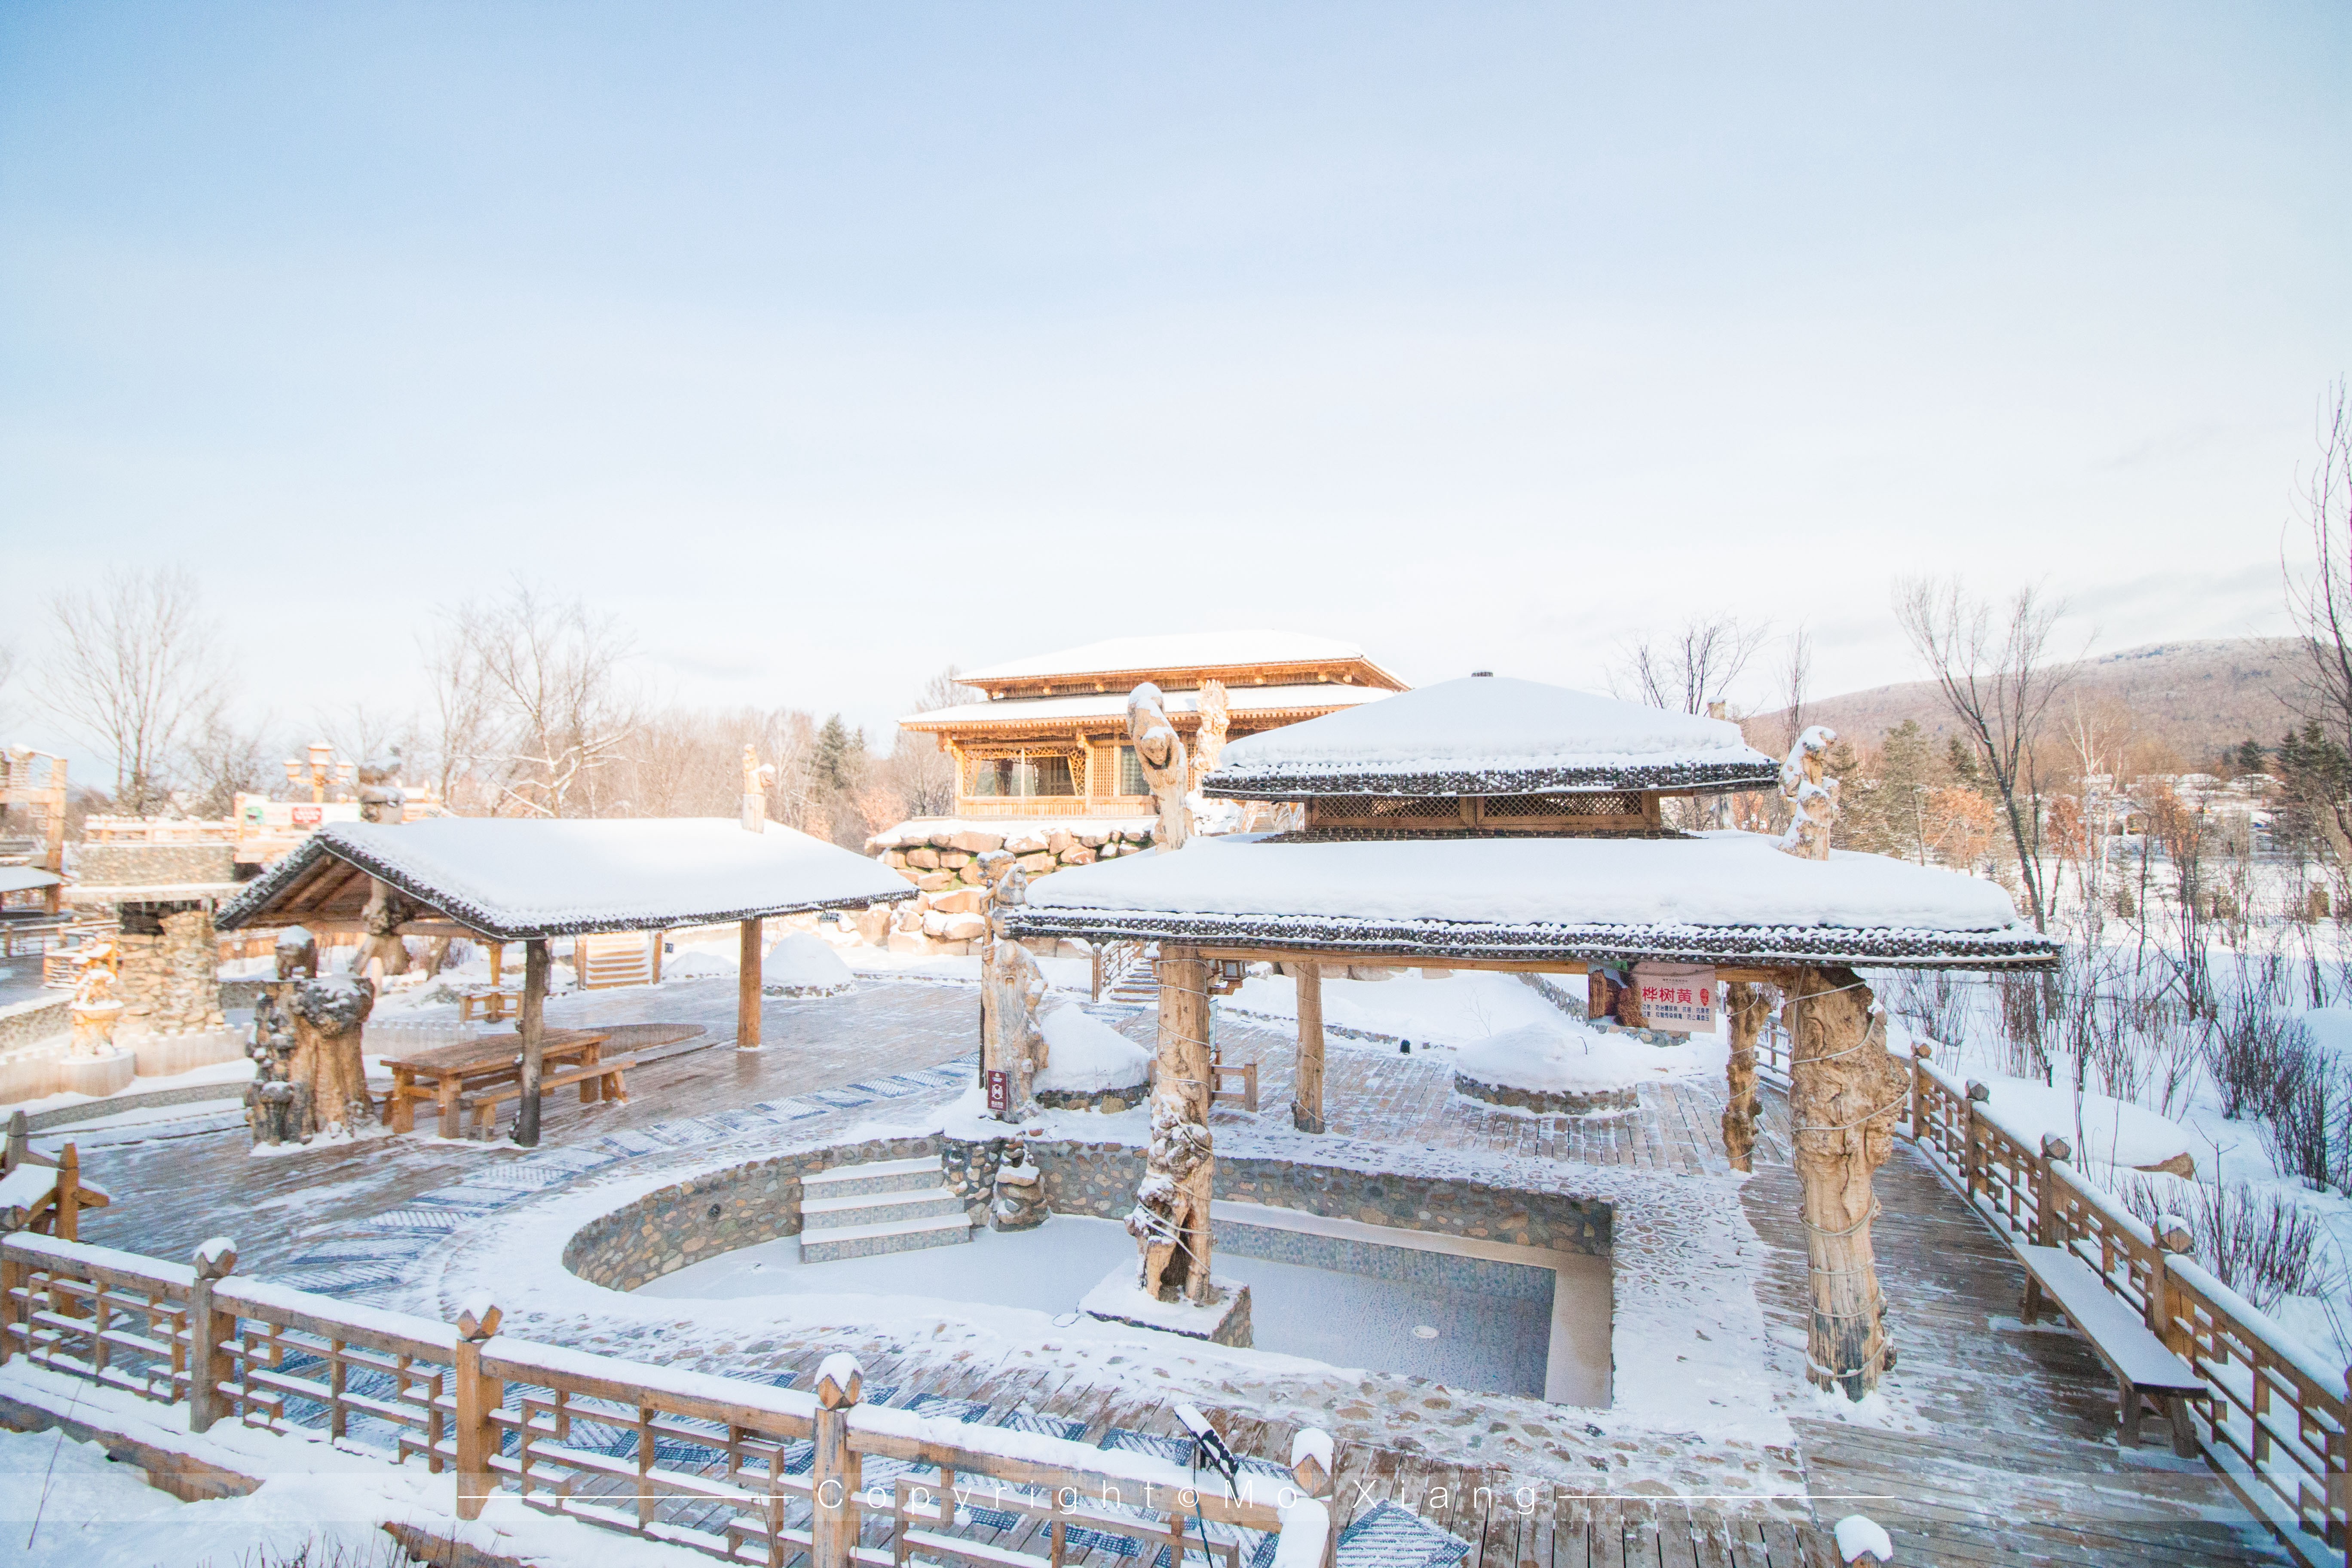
[1994, 1444]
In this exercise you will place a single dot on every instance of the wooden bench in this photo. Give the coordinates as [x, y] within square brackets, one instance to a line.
[2146, 1372]
[596, 1080]
[495, 1006]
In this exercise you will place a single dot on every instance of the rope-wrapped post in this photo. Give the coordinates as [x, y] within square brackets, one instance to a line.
[1845, 1096]
[1170, 1220]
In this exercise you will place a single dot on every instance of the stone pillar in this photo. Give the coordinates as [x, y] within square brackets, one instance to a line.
[168, 980]
[1845, 1097]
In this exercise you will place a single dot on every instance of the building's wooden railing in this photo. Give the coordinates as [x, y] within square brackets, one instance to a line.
[739, 1470]
[2276, 1422]
[157, 830]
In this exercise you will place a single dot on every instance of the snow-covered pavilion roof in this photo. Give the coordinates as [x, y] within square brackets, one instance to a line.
[1491, 735]
[517, 878]
[1251, 700]
[1141, 656]
[24, 878]
[1720, 898]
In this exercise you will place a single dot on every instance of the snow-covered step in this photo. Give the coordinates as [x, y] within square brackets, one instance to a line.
[892, 1235]
[876, 1176]
[828, 1214]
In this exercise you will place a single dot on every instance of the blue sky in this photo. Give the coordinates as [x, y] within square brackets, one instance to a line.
[830, 345]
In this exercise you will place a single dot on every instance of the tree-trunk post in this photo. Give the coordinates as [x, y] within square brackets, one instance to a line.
[209, 1329]
[530, 1023]
[1845, 1096]
[835, 1470]
[477, 1397]
[747, 988]
[1746, 1007]
[1307, 1102]
[1172, 1219]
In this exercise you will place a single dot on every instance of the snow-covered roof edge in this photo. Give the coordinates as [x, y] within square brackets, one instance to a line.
[332, 840]
[1811, 945]
[1301, 781]
[1173, 651]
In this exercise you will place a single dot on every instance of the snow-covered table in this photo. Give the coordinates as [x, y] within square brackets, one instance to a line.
[493, 1062]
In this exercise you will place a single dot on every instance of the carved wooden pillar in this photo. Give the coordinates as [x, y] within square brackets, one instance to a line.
[1846, 1095]
[1746, 1007]
[1171, 1222]
[1307, 1102]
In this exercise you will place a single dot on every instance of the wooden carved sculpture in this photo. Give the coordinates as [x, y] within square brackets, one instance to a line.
[328, 1015]
[1159, 751]
[1011, 989]
[1844, 1097]
[1216, 717]
[1813, 797]
[387, 910]
[1171, 1218]
[1748, 1006]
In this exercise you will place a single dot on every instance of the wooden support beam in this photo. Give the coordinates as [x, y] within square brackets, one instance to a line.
[1844, 1097]
[531, 1021]
[1746, 1007]
[1306, 1106]
[747, 988]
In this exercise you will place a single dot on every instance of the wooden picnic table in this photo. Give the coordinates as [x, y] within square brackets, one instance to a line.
[444, 1073]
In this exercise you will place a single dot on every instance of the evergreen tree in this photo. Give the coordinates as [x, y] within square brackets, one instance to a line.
[1960, 762]
[1908, 774]
[2250, 758]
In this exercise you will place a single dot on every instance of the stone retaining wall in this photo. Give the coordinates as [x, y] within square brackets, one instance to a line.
[1547, 1101]
[169, 983]
[942, 860]
[28, 1023]
[153, 865]
[665, 1231]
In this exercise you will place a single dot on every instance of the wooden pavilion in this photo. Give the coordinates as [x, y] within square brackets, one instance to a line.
[1501, 824]
[504, 880]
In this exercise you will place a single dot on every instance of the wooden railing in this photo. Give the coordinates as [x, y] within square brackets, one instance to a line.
[2276, 1422]
[1112, 959]
[739, 1470]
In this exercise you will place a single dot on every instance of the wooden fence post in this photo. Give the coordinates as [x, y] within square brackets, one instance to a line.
[835, 1473]
[477, 1397]
[2055, 1150]
[1919, 1055]
[16, 1278]
[209, 1329]
[2172, 1241]
[1972, 1161]
[1312, 1456]
[1306, 1099]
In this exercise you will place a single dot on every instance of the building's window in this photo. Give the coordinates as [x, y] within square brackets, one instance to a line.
[1131, 773]
[993, 777]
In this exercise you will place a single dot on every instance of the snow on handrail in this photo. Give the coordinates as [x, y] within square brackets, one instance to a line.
[115, 1266]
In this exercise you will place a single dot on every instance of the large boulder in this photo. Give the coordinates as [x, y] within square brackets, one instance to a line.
[924, 859]
[971, 841]
[962, 928]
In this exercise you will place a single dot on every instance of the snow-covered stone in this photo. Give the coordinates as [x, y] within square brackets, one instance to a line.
[1086, 1056]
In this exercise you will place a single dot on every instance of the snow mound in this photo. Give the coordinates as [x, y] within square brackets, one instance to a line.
[2106, 1131]
[1083, 1054]
[697, 963]
[1557, 1058]
[803, 964]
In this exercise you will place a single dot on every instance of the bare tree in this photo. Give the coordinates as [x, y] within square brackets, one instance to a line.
[1796, 678]
[1998, 681]
[135, 664]
[7, 675]
[1693, 668]
[2319, 591]
[225, 759]
[555, 710]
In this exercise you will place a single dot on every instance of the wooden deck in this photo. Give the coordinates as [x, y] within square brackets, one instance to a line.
[1998, 1448]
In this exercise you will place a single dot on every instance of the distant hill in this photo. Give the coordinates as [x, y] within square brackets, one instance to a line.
[2192, 699]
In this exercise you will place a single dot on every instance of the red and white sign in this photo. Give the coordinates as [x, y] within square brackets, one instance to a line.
[1000, 1091]
[1676, 997]
[305, 816]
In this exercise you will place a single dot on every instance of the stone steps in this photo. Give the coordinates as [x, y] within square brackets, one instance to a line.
[827, 1245]
[886, 1205]
[876, 1176]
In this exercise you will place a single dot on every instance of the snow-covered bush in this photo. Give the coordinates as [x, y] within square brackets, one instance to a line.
[2252, 1049]
[2262, 1244]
